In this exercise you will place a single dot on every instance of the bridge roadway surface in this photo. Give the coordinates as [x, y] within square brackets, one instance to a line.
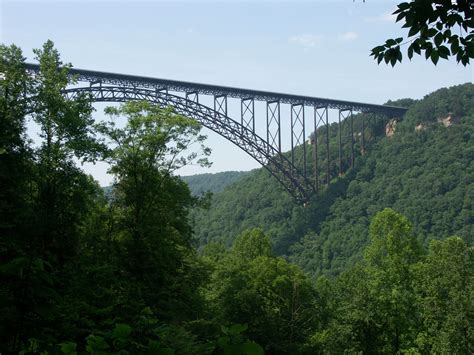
[93, 77]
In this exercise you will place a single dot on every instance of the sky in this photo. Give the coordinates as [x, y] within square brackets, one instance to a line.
[314, 48]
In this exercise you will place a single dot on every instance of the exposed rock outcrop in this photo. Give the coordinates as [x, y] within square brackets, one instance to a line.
[448, 120]
[390, 127]
[420, 127]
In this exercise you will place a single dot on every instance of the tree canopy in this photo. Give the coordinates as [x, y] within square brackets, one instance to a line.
[81, 272]
[437, 29]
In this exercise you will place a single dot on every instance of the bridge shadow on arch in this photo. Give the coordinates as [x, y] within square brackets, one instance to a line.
[269, 157]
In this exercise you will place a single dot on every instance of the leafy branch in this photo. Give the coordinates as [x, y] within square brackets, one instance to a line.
[439, 29]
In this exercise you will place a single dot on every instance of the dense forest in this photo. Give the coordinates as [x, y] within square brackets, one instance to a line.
[381, 261]
[425, 171]
[202, 183]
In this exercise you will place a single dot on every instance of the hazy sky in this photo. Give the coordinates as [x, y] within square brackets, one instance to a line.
[316, 48]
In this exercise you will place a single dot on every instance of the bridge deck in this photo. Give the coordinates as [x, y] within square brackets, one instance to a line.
[93, 76]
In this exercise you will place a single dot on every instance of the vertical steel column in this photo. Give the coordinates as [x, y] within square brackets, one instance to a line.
[247, 114]
[273, 121]
[352, 139]
[220, 104]
[340, 144]
[362, 149]
[328, 167]
[192, 96]
[342, 119]
[375, 127]
[370, 136]
[320, 119]
[298, 137]
[315, 151]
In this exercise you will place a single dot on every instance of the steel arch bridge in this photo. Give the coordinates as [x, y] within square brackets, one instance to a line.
[289, 169]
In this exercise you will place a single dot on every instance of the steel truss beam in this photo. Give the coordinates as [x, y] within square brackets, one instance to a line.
[278, 165]
[292, 174]
[88, 76]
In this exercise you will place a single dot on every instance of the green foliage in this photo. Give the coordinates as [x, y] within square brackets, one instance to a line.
[252, 202]
[53, 197]
[72, 264]
[121, 335]
[407, 102]
[444, 284]
[201, 183]
[68, 348]
[233, 343]
[252, 244]
[15, 164]
[96, 345]
[396, 300]
[154, 136]
[389, 257]
[390, 240]
[424, 174]
[456, 101]
[84, 273]
[257, 202]
[273, 297]
[150, 204]
[66, 125]
[433, 26]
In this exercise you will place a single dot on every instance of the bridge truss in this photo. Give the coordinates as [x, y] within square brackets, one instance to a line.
[290, 169]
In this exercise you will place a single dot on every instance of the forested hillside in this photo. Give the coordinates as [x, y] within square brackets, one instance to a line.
[202, 183]
[84, 274]
[217, 182]
[424, 171]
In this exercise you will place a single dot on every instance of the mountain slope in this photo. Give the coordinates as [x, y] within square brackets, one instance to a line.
[424, 171]
[212, 182]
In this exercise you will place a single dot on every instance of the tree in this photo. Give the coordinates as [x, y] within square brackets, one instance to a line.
[46, 195]
[432, 27]
[392, 251]
[251, 244]
[151, 205]
[15, 210]
[376, 310]
[67, 132]
[444, 288]
[273, 297]
[14, 153]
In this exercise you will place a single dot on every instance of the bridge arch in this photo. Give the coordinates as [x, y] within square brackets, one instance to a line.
[292, 171]
[244, 138]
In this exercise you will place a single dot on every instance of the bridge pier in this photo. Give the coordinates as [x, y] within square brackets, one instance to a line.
[220, 104]
[344, 114]
[321, 119]
[362, 148]
[247, 114]
[298, 136]
[273, 124]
